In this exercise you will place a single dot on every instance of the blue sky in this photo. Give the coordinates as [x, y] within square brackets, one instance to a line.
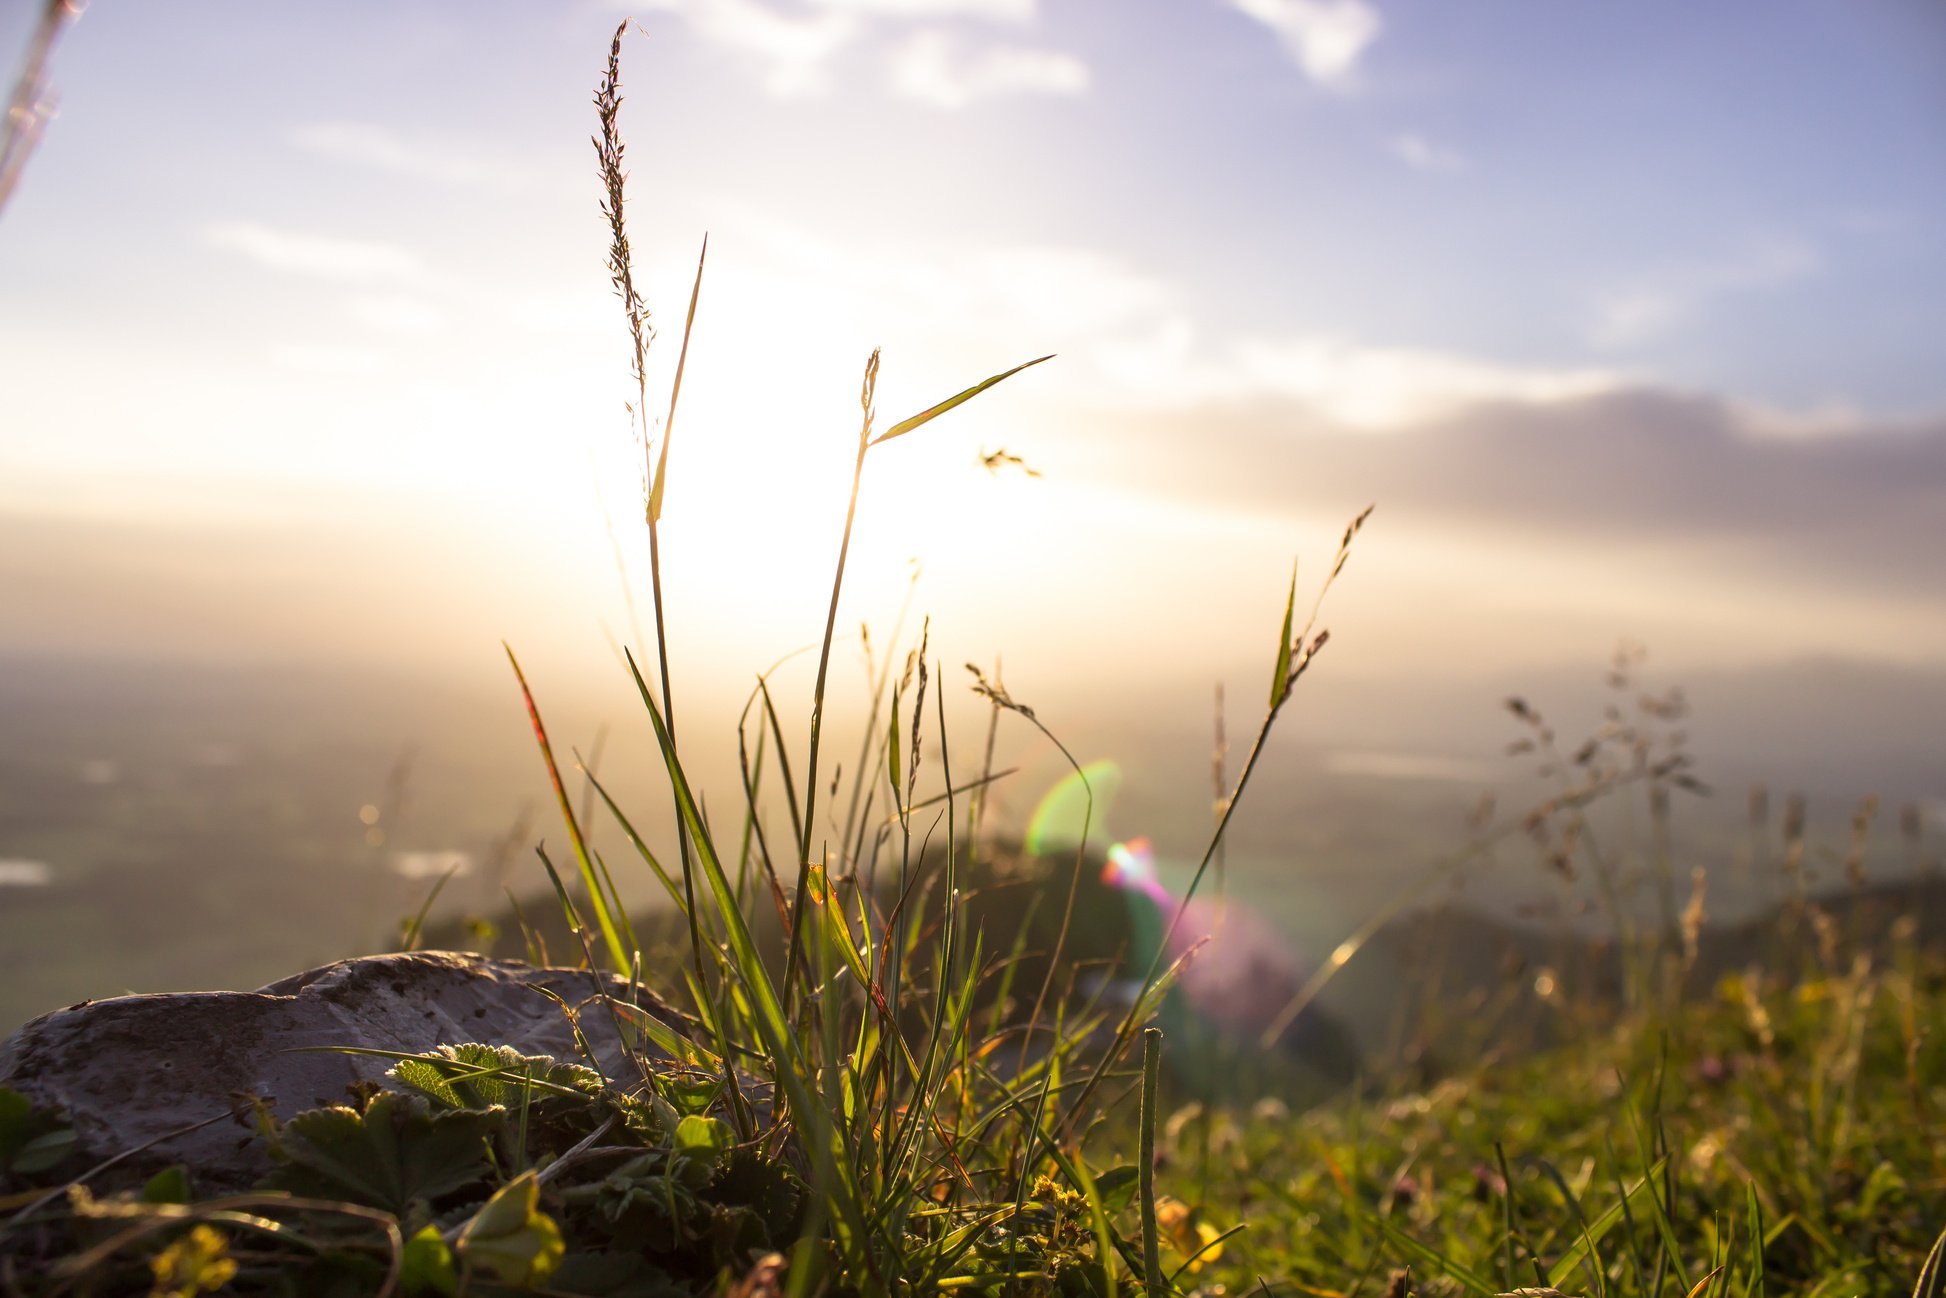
[320, 288]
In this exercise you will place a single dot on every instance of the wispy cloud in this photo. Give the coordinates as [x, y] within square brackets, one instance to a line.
[365, 145]
[1421, 154]
[1631, 314]
[1326, 38]
[1004, 11]
[1128, 339]
[790, 52]
[1348, 385]
[319, 256]
[933, 68]
[1636, 466]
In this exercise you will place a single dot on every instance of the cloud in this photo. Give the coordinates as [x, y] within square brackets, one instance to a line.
[1127, 338]
[1421, 154]
[318, 256]
[1002, 11]
[1627, 315]
[1326, 38]
[366, 145]
[931, 68]
[1348, 385]
[1635, 466]
[791, 53]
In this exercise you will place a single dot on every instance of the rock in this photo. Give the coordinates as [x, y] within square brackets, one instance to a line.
[135, 1072]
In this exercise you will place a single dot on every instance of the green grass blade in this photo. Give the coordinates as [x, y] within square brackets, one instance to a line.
[789, 1068]
[1280, 683]
[675, 391]
[409, 936]
[1469, 1279]
[635, 841]
[1151, 1233]
[1932, 1276]
[931, 413]
[604, 909]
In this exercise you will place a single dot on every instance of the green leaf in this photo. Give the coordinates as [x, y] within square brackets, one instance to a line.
[689, 1095]
[395, 1152]
[1280, 684]
[44, 1151]
[421, 1075]
[170, 1185]
[427, 1266]
[1117, 1186]
[704, 1138]
[510, 1238]
[905, 426]
[32, 1139]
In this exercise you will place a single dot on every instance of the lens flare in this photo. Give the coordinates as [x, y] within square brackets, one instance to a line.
[1059, 822]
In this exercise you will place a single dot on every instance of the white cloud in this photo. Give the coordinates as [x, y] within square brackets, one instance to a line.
[931, 68]
[1326, 38]
[1627, 315]
[319, 256]
[1354, 385]
[1421, 154]
[1127, 338]
[791, 53]
[365, 145]
[1004, 11]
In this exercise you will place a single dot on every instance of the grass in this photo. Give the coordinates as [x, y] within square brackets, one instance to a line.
[848, 1102]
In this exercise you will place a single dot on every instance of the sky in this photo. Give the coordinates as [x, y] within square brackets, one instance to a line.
[1626, 318]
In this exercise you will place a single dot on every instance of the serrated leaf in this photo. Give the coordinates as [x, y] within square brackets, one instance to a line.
[510, 1238]
[423, 1076]
[905, 426]
[398, 1150]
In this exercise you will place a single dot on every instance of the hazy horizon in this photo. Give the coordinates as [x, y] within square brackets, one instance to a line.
[1625, 321]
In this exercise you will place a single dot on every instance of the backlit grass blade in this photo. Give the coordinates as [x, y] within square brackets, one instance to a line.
[931, 413]
[675, 391]
[1280, 682]
[1468, 1278]
[409, 936]
[1932, 1276]
[789, 1068]
[1151, 1232]
[641, 848]
[604, 908]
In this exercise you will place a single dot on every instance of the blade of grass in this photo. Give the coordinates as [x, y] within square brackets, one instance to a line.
[931, 413]
[604, 911]
[1151, 1232]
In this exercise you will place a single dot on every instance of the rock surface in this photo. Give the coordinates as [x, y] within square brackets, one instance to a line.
[134, 1072]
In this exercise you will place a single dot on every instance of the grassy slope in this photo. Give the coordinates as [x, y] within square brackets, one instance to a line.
[1805, 1111]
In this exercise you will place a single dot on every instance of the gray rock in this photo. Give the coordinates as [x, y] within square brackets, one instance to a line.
[136, 1072]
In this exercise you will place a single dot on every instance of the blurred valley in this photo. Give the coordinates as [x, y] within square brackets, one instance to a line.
[171, 827]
